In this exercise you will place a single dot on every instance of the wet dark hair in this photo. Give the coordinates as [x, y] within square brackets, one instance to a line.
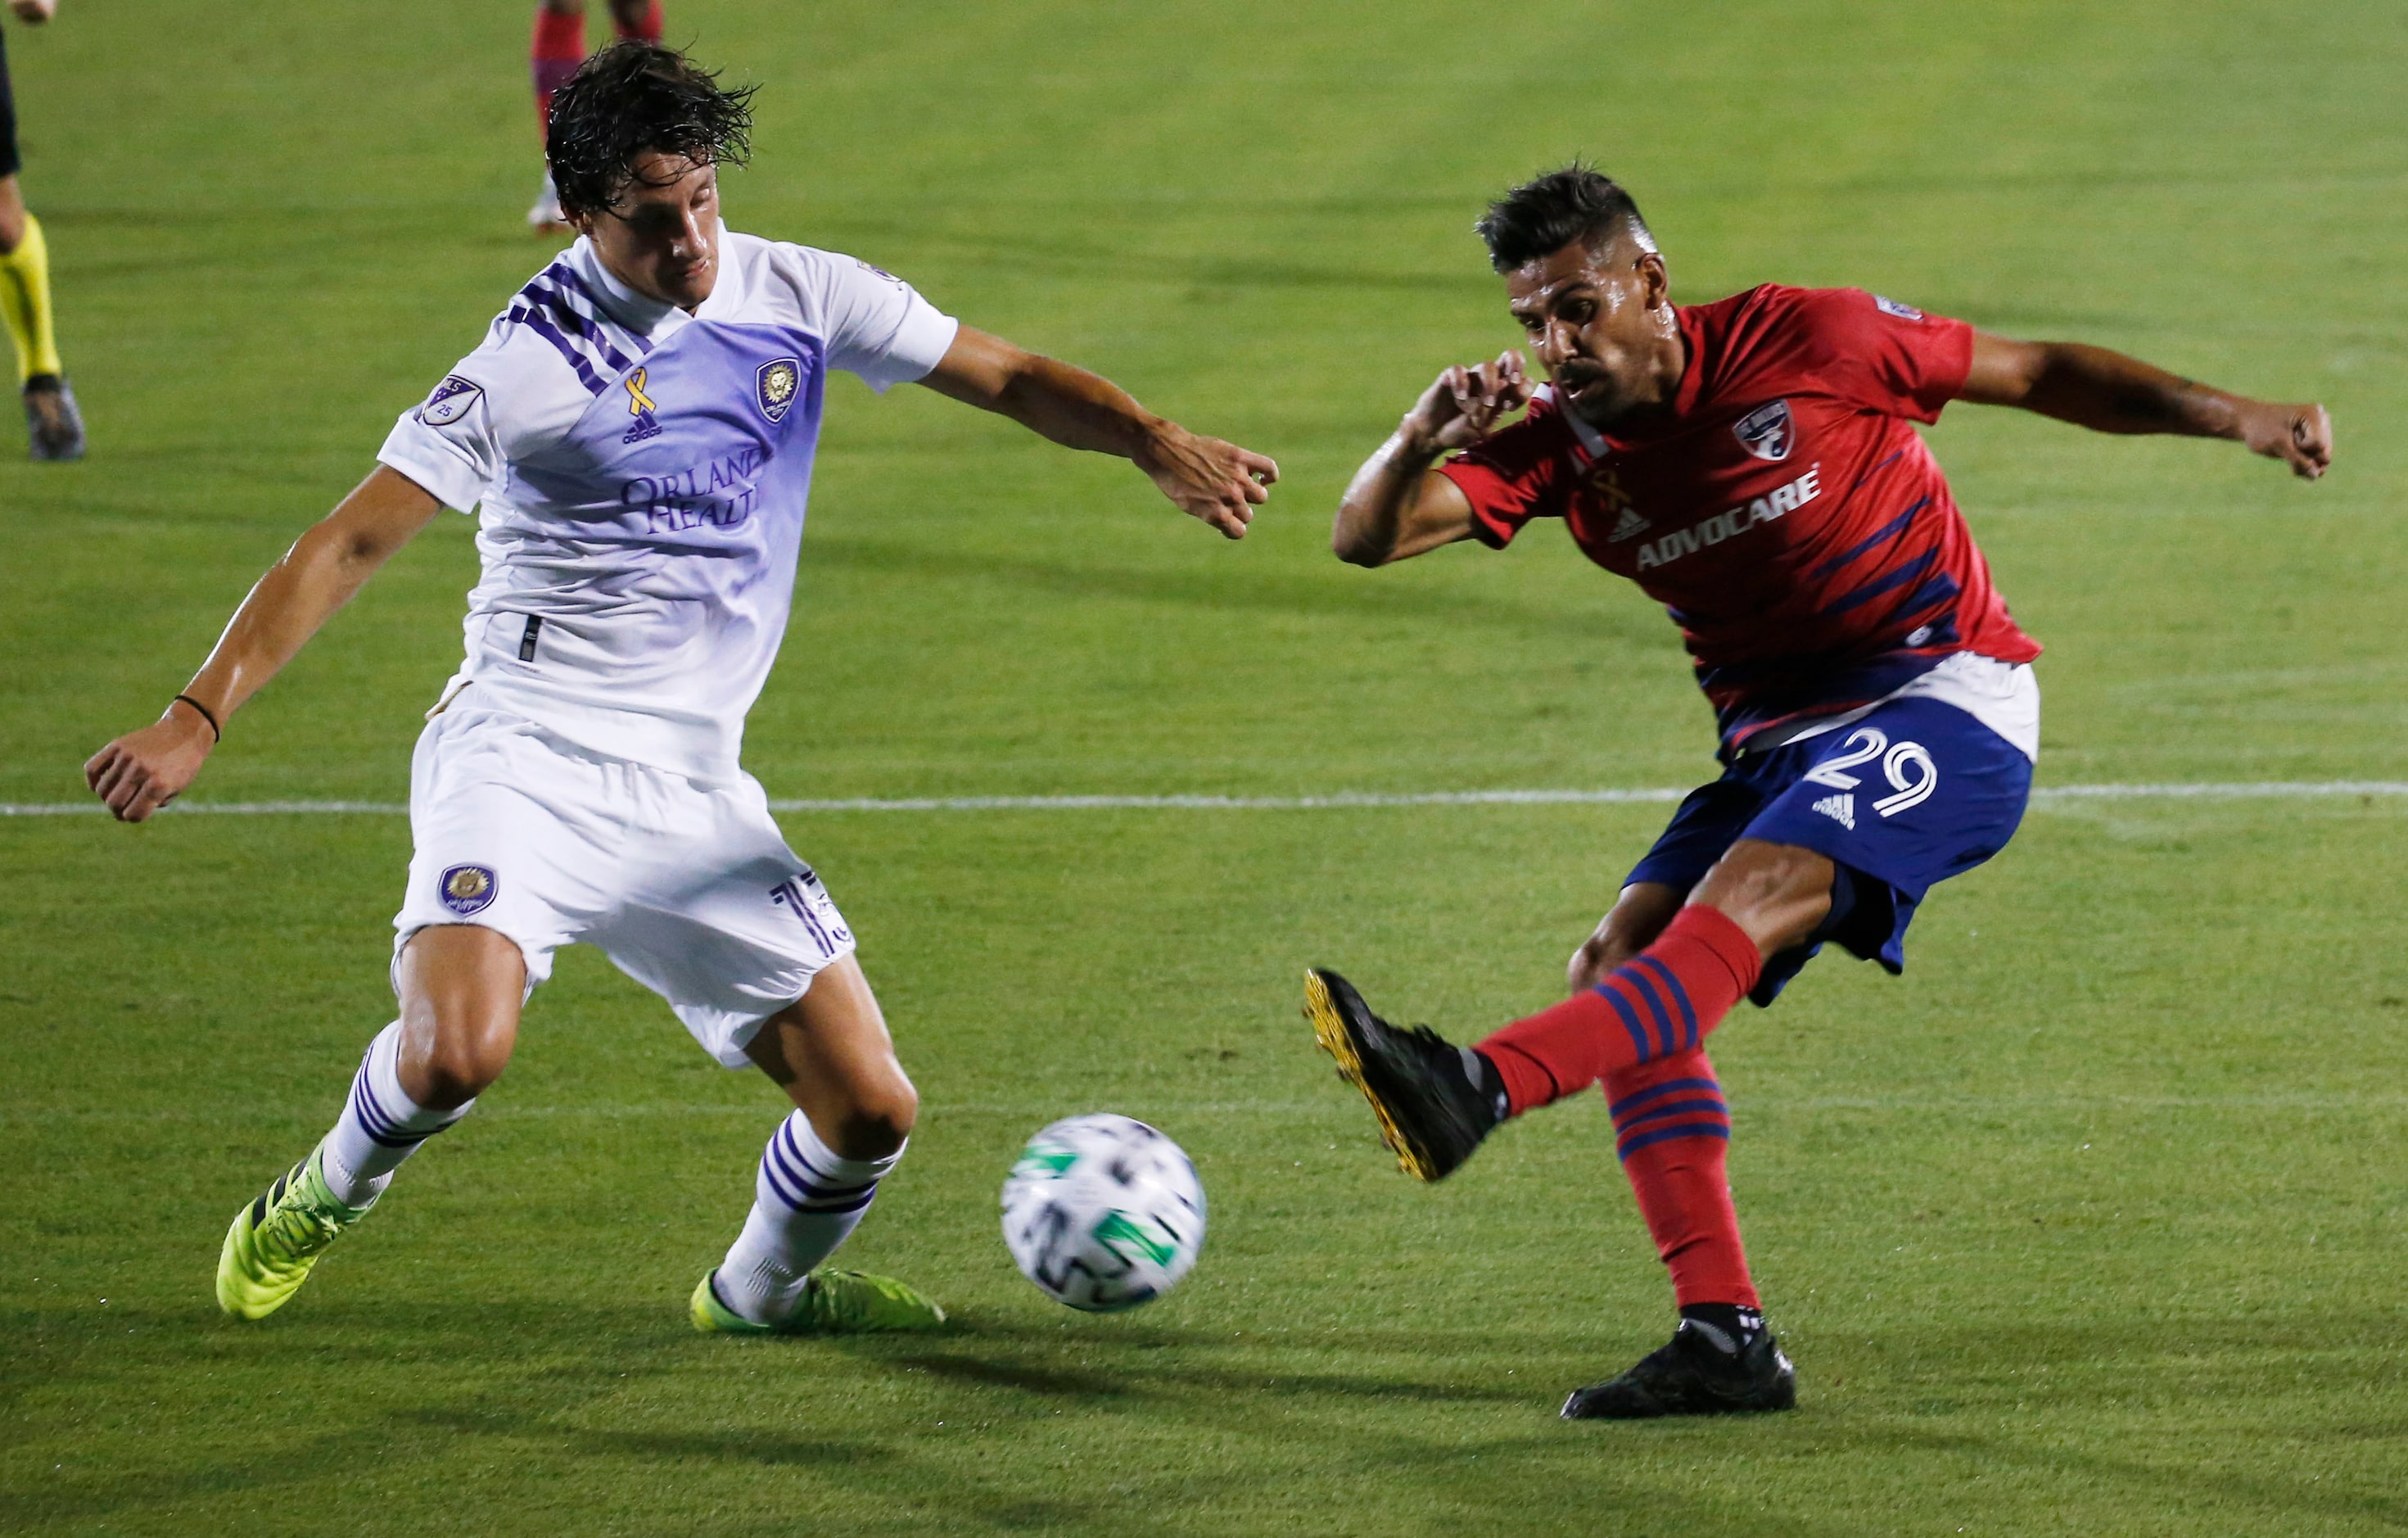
[1547, 213]
[635, 96]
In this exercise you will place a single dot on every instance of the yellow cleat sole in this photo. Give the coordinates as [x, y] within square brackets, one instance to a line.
[1329, 1030]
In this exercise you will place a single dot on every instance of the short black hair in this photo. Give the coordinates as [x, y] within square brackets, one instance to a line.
[1548, 212]
[631, 97]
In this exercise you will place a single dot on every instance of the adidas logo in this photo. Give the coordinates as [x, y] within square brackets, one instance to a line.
[1840, 809]
[1628, 524]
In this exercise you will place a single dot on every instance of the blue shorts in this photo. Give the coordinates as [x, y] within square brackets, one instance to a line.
[1904, 797]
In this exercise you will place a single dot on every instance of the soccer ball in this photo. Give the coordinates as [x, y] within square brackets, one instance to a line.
[1103, 1213]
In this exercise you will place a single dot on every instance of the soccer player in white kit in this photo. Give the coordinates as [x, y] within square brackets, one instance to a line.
[637, 432]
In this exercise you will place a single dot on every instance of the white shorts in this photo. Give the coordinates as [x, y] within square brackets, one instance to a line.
[688, 887]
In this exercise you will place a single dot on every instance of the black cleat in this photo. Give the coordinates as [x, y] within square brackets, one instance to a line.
[53, 425]
[1429, 1095]
[1693, 1376]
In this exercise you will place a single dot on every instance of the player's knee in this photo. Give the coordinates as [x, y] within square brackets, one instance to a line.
[459, 1058]
[1637, 917]
[1776, 892]
[459, 987]
[460, 1065]
[880, 1117]
[1619, 939]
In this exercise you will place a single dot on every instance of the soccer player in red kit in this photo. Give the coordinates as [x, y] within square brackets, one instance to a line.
[1750, 464]
[553, 53]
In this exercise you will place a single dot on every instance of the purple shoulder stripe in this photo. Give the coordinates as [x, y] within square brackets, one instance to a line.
[535, 321]
[576, 322]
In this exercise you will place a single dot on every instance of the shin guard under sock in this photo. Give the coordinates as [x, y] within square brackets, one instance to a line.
[1663, 1000]
[1673, 1133]
[381, 1126]
[806, 1199]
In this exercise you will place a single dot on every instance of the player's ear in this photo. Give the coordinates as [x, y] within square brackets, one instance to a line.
[1653, 280]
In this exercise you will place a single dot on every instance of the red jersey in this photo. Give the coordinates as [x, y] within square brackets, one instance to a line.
[1784, 511]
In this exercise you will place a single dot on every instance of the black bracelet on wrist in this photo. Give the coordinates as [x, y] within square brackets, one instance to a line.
[216, 733]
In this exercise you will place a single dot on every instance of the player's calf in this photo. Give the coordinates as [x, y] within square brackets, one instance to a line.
[1663, 1001]
[854, 1108]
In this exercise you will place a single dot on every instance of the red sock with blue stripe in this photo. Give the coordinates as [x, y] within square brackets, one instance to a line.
[1673, 1130]
[1662, 1001]
[552, 56]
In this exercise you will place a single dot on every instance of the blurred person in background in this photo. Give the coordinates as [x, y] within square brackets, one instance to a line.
[52, 424]
[552, 56]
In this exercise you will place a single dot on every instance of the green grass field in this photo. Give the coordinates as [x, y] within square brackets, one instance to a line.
[2091, 1224]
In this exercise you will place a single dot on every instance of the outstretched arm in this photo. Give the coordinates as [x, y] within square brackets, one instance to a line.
[1205, 478]
[1398, 506]
[143, 770]
[2109, 393]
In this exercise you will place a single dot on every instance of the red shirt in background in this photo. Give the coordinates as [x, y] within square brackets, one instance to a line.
[1784, 511]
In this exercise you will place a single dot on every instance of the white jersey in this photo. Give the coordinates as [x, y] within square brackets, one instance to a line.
[640, 475]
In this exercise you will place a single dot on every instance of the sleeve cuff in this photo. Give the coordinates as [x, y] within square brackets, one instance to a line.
[1489, 530]
[1947, 381]
[449, 479]
[920, 343]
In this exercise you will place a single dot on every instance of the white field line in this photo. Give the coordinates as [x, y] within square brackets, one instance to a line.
[2246, 790]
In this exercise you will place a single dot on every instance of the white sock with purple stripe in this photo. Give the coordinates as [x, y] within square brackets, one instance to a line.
[806, 1201]
[381, 1125]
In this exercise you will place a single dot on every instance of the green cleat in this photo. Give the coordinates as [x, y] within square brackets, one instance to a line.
[277, 1239]
[833, 1303]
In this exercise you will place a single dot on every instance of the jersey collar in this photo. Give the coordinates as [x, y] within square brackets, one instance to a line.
[1592, 442]
[639, 313]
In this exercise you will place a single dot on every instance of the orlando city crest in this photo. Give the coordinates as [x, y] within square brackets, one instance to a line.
[1766, 432]
[776, 386]
[467, 888]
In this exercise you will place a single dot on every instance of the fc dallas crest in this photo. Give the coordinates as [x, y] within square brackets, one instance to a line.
[1767, 431]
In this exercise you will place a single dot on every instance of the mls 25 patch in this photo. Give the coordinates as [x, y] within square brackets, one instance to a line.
[775, 386]
[468, 888]
[1767, 431]
[452, 401]
[1891, 307]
